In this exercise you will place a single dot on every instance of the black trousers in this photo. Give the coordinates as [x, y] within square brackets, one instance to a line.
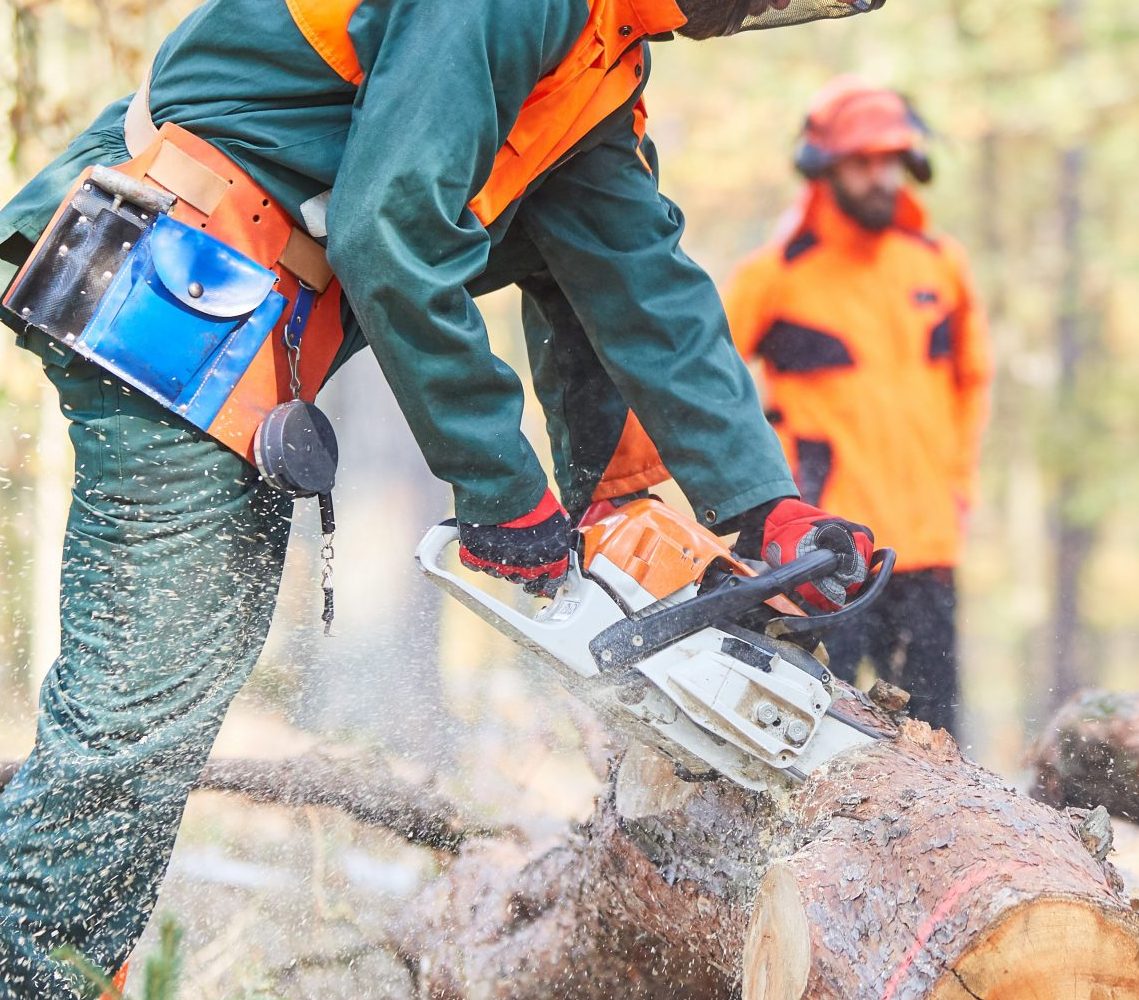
[910, 638]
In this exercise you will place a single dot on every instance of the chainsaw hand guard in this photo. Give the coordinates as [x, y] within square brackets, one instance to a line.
[782, 13]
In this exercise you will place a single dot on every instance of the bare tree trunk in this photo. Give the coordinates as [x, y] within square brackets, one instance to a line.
[1074, 538]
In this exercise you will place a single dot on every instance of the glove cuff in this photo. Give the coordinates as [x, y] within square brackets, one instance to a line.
[751, 524]
[547, 507]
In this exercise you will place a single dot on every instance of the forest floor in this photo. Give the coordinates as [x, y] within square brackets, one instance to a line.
[294, 904]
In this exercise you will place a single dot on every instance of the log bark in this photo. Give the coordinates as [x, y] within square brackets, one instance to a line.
[897, 872]
[1088, 754]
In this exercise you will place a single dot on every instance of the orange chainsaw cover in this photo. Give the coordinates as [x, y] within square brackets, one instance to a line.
[661, 549]
[600, 73]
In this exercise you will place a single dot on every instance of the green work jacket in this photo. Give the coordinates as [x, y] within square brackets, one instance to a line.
[404, 153]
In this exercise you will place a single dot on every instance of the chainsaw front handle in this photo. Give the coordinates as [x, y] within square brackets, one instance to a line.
[631, 640]
[883, 560]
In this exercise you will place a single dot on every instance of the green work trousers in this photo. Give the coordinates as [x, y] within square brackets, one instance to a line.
[171, 565]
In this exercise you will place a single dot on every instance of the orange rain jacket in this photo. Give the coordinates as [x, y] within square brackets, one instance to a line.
[875, 368]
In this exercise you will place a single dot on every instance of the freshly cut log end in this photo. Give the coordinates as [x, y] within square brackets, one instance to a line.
[1049, 949]
[924, 876]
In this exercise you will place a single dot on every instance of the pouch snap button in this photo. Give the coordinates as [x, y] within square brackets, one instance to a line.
[195, 291]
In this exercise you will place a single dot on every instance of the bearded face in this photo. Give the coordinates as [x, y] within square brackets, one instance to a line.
[716, 18]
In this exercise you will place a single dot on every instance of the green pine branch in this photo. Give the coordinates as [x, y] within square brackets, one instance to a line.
[161, 974]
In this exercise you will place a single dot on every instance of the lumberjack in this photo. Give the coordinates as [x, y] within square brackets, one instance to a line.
[295, 181]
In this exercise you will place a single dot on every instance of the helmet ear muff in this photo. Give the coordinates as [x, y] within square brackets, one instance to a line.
[919, 165]
[811, 161]
[917, 161]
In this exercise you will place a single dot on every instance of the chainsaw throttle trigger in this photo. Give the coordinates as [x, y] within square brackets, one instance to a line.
[632, 640]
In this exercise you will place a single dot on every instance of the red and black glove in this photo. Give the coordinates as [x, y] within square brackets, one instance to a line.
[792, 529]
[532, 550]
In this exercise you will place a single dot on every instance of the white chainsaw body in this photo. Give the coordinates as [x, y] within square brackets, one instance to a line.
[706, 709]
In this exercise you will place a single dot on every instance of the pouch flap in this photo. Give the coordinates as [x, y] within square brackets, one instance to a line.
[204, 274]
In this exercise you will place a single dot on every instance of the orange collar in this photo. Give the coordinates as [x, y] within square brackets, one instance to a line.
[655, 17]
[816, 210]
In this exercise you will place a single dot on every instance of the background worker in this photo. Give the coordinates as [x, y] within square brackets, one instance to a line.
[439, 155]
[875, 369]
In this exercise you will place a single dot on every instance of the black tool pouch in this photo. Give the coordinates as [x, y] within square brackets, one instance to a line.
[71, 269]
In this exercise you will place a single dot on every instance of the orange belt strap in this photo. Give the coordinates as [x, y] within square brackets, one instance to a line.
[220, 198]
[187, 176]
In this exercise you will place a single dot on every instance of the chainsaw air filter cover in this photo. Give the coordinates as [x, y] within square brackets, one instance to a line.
[295, 449]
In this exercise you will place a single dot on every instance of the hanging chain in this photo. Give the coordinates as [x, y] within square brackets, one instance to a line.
[327, 534]
[293, 349]
[327, 516]
[326, 554]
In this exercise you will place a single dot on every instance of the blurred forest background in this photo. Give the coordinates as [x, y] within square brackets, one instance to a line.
[1036, 108]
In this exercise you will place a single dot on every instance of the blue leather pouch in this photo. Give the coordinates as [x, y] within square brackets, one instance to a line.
[182, 319]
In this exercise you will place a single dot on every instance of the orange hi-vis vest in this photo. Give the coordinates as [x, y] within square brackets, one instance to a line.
[600, 73]
[875, 364]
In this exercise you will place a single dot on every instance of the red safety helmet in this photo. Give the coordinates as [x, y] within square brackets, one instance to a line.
[849, 116]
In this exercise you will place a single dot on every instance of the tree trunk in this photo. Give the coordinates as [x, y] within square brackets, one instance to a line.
[1088, 754]
[897, 871]
[363, 788]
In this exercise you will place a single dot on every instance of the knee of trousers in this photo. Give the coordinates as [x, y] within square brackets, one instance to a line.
[171, 564]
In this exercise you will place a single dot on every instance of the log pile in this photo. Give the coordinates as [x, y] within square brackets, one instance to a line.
[901, 871]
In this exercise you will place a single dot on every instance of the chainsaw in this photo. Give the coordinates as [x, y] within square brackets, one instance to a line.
[683, 646]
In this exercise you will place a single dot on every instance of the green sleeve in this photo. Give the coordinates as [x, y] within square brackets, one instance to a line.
[445, 85]
[612, 242]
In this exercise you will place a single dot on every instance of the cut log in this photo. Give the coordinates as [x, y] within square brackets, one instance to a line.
[926, 876]
[1088, 754]
[897, 872]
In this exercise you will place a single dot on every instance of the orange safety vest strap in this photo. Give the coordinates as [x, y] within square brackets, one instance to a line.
[525, 156]
[324, 23]
[601, 72]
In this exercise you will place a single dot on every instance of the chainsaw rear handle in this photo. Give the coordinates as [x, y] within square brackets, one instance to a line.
[429, 553]
[634, 639]
[557, 628]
